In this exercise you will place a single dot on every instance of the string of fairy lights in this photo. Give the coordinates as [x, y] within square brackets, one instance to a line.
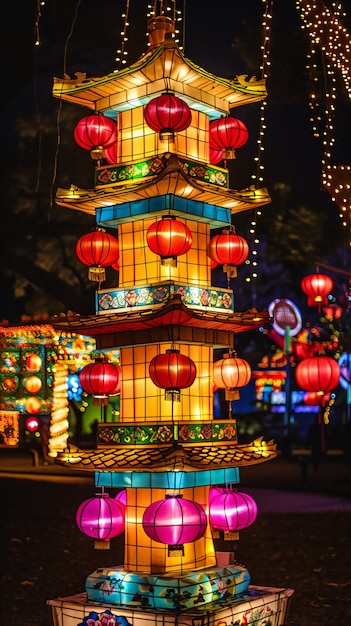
[329, 59]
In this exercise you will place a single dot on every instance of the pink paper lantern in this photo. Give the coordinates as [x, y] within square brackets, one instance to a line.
[230, 510]
[102, 518]
[174, 521]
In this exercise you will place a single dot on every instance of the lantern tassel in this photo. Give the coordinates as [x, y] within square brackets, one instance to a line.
[176, 550]
[232, 394]
[230, 535]
[97, 273]
[102, 544]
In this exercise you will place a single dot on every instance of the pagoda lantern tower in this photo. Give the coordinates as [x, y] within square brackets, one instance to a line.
[166, 448]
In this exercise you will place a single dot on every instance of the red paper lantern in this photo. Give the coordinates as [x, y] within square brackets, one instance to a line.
[95, 133]
[174, 521]
[317, 287]
[172, 372]
[100, 379]
[102, 518]
[318, 373]
[169, 238]
[97, 249]
[231, 373]
[216, 156]
[229, 250]
[167, 114]
[32, 424]
[110, 154]
[227, 134]
[230, 510]
[316, 398]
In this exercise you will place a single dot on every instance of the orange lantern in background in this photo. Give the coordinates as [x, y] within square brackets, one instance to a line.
[97, 249]
[229, 250]
[95, 133]
[33, 384]
[227, 134]
[172, 372]
[167, 114]
[317, 287]
[33, 362]
[33, 405]
[231, 373]
[169, 238]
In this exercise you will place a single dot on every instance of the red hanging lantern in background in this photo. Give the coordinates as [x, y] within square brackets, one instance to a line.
[230, 511]
[169, 238]
[316, 398]
[32, 424]
[172, 372]
[167, 114]
[102, 518]
[95, 133]
[174, 521]
[231, 373]
[110, 154]
[227, 134]
[100, 379]
[216, 156]
[317, 287]
[229, 250]
[97, 249]
[318, 374]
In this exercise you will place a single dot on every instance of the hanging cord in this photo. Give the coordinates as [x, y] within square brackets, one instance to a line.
[58, 118]
[36, 104]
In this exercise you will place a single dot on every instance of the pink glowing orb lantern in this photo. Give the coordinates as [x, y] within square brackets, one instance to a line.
[102, 518]
[231, 511]
[174, 521]
[121, 497]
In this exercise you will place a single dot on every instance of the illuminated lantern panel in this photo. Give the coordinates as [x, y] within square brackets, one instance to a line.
[100, 379]
[229, 250]
[169, 238]
[167, 115]
[317, 287]
[95, 133]
[102, 518]
[174, 521]
[231, 373]
[319, 373]
[172, 372]
[227, 134]
[231, 511]
[97, 249]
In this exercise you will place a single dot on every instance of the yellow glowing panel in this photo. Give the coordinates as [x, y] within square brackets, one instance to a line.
[141, 400]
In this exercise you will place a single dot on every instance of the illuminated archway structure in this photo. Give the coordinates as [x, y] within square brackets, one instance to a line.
[163, 448]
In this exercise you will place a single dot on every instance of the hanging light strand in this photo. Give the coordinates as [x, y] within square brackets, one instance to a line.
[122, 53]
[329, 57]
[258, 175]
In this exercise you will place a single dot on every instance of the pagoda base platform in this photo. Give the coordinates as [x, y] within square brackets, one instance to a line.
[258, 605]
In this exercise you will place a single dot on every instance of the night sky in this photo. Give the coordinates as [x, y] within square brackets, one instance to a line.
[224, 40]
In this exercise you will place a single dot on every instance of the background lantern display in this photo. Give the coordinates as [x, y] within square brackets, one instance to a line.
[169, 238]
[95, 133]
[101, 518]
[172, 372]
[100, 379]
[32, 424]
[228, 249]
[230, 511]
[231, 373]
[174, 521]
[227, 134]
[33, 384]
[97, 249]
[317, 287]
[167, 114]
[318, 374]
